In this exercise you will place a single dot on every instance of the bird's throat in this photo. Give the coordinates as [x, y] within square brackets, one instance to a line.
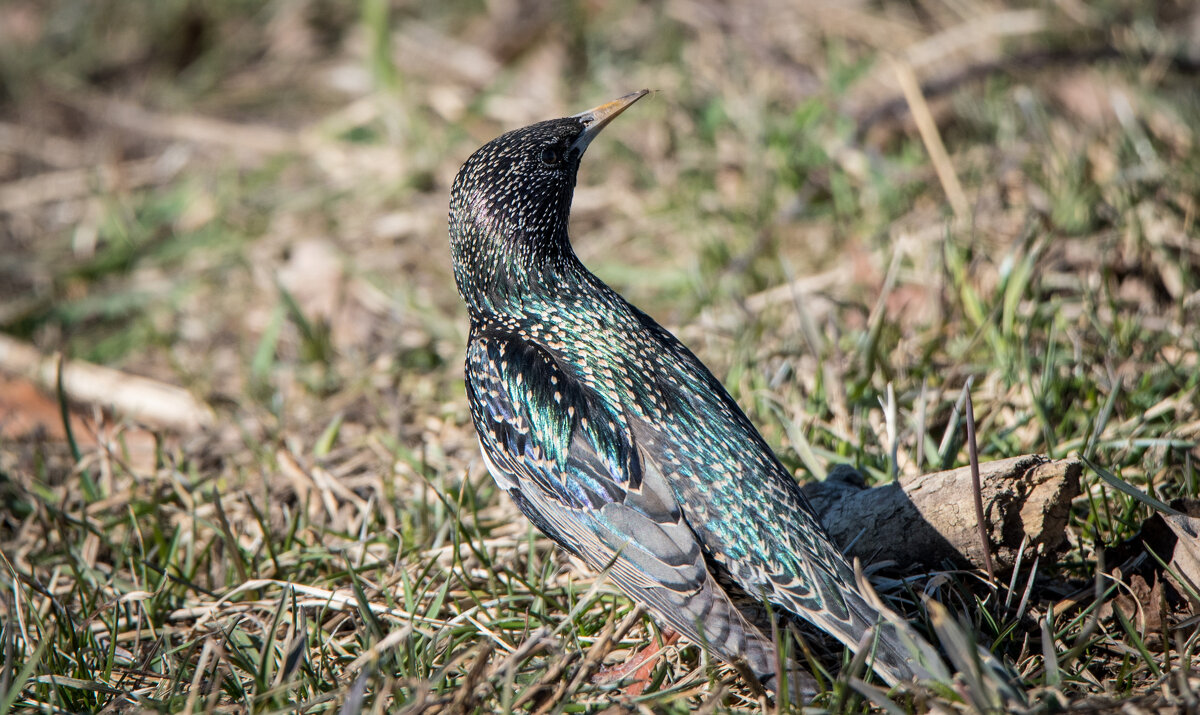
[502, 274]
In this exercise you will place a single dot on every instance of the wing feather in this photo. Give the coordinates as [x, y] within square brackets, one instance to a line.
[584, 481]
[750, 516]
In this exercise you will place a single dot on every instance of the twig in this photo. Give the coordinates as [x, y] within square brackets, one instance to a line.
[952, 425]
[140, 398]
[921, 426]
[931, 138]
[973, 454]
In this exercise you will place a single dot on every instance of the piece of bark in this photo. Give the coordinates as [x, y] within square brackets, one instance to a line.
[926, 520]
[1173, 538]
[1185, 554]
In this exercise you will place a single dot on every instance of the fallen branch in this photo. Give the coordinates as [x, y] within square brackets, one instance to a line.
[154, 403]
[929, 519]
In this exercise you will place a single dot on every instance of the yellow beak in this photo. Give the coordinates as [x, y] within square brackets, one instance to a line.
[597, 118]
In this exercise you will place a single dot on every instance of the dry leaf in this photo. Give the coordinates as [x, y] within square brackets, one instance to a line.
[1185, 559]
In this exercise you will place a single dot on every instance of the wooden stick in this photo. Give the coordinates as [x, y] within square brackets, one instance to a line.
[977, 490]
[932, 139]
[155, 403]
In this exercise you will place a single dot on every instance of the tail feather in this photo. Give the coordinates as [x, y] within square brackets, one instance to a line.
[894, 650]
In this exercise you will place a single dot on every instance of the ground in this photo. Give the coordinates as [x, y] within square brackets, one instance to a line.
[848, 210]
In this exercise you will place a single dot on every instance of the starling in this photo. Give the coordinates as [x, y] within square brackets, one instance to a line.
[619, 444]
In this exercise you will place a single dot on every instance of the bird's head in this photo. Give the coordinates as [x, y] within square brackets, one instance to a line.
[511, 200]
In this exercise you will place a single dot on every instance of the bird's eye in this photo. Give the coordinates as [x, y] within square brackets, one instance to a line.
[550, 156]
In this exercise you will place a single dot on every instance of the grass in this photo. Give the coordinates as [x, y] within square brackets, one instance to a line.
[334, 544]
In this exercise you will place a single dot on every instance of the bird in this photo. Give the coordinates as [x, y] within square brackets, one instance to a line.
[621, 446]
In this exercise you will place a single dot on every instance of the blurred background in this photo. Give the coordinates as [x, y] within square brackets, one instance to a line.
[825, 200]
[187, 184]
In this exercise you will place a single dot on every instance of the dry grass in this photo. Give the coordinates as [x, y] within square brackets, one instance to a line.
[248, 200]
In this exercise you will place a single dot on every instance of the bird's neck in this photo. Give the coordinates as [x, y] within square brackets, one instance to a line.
[505, 277]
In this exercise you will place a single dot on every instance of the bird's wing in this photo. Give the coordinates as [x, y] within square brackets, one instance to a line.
[751, 517]
[577, 473]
